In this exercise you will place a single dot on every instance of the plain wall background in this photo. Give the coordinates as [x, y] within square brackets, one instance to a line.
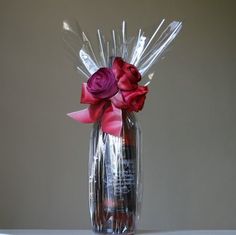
[188, 121]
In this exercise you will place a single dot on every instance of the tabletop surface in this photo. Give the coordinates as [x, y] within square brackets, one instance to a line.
[88, 232]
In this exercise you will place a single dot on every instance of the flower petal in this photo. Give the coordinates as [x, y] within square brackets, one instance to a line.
[117, 66]
[125, 84]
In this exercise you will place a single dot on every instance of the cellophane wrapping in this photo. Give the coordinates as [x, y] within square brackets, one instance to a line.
[115, 185]
[115, 168]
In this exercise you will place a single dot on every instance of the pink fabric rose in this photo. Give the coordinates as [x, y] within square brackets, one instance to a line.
[127, 75]
[102, 84]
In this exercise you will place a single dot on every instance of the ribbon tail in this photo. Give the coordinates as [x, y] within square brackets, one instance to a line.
[81, 116]
[112, 121]
[88, 115]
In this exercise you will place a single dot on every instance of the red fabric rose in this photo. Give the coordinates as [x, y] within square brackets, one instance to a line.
[127, 75]
[130, 100]
[135, 99]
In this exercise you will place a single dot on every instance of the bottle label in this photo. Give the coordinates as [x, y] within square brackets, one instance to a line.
[121, 177]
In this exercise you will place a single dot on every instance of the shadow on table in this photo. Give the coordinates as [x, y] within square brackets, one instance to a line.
[146, 231]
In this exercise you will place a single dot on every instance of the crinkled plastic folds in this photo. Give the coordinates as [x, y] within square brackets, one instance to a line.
[115, 172]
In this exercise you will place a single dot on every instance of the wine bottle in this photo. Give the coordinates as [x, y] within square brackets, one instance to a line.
[114, 178]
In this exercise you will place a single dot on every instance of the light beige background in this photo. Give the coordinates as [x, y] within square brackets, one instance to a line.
[188, 121]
